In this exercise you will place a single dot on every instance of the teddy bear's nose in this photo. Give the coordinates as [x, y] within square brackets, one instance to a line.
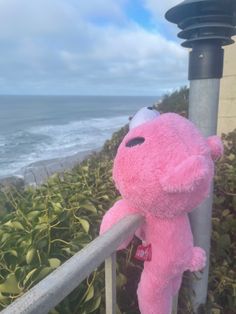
[135, 141]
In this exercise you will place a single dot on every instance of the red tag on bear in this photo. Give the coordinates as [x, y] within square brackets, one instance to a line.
[144, 253]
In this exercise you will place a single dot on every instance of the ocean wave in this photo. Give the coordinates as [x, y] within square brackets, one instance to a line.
[24, 147]
[78, 135]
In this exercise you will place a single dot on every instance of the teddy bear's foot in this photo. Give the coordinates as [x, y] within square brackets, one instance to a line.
[154, 295]
[198, 261]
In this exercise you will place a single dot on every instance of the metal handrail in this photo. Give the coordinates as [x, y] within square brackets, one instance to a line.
[55, 287]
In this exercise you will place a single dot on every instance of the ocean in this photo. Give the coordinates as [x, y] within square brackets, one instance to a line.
[36, 128]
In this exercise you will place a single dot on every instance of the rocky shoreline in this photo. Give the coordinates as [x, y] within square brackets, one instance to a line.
[38, 172]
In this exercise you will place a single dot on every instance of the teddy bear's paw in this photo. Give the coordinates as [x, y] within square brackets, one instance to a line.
[198, 261]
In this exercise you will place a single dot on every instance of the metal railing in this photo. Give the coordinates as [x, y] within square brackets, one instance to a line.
[55, 287]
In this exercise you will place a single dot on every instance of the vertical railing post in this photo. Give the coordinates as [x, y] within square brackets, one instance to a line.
[110, 284]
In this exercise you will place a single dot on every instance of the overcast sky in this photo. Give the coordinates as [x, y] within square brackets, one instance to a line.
[89, 47]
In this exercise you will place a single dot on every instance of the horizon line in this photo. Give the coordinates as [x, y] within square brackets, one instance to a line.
[76, 95]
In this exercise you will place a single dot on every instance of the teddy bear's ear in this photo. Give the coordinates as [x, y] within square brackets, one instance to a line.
[187, 175]
[216, 147]
[144, 115]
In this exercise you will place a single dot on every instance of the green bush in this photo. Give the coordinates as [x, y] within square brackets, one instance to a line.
[47, 225]
[222, 280]
[175, 102]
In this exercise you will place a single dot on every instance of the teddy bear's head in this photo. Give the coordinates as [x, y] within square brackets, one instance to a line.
[164, 166]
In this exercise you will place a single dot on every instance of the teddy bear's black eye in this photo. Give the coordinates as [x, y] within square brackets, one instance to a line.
[135, 141]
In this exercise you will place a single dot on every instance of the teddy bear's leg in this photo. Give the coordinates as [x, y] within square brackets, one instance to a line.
[154, 294]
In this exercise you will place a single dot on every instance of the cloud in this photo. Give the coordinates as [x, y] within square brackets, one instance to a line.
[158, 8]
[69, 46]
[135, 58]
[34, 17]
[110, 10]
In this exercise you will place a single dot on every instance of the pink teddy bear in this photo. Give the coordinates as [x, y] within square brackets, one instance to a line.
[163, 170]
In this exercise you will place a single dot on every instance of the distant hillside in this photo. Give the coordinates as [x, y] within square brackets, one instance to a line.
[175, 102]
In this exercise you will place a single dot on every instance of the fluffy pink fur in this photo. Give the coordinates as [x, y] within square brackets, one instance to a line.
[164, 178]
[216, 147]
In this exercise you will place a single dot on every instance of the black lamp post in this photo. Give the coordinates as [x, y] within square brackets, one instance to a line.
[206, 26]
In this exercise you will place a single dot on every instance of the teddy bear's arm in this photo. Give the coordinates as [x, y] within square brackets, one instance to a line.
[114, 215]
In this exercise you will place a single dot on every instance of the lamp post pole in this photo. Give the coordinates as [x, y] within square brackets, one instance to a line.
[206, 26]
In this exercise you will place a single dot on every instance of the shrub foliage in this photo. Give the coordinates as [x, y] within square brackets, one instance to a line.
[175, 102]
[47, 225]
[222, 280]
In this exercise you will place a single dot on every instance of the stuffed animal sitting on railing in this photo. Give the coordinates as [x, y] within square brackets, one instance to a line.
[163, 170]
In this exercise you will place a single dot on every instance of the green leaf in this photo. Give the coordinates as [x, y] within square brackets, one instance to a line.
[105, 197]
[12, 252]
[5, 237]
[14, 224]
[85, 168]
[54, 262]
[41, 226]
[2, 297]
[30, 255]
[82, 237]
[33, 214]
[57, 207]
[90, 207]
[85, 224]
[90, 294]
[92, 305]
[67, 250]
[44, 272]
[10, 285]
[29, 275]
[225, 212]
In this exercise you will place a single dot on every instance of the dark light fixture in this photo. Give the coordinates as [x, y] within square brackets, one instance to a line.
[206, 26]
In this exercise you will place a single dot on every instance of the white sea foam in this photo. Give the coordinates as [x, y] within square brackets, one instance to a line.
[76, 136]
[57, 141]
